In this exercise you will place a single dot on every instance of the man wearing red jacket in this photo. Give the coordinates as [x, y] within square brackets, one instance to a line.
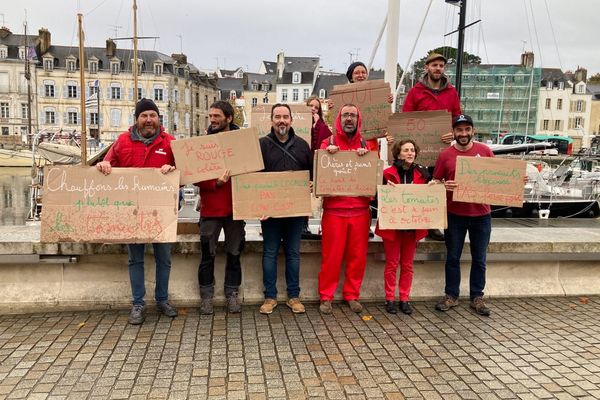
[145, 145]
[434, 92]
[216, 214]
[345, 222]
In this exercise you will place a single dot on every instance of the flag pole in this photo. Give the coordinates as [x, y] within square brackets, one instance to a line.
[83, 140]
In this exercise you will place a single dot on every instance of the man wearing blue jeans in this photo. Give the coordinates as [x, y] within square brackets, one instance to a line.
[282, 150]
[145, 145]
[462, 218]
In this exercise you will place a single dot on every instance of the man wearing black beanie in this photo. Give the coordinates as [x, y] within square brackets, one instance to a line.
[145, 145]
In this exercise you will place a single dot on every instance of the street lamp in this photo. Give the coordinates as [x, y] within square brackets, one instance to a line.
[501, 107]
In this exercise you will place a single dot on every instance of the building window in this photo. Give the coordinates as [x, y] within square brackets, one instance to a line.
[24, 111]
[322, 93]
[232, 95]
[561, 85]
[557, 125]
[545, 125]
[305, 94]
[578, 122]
[197, 97]
[71, 91]
[295, 94]
[72, 118]
[175, 95]
[266, 99]
[50, 117]
[48, 64]
[158, 94]
[3, 52]
[580, 89]
[255, 87]
[579, 105]
[93, 67]
[158, 69]
[115, 93]
[559, 104]
[114, 68]
[548, 103]
[115, 117]
[284, 95]
[94, 118]
[70, 65]
[206, 102]
[296, 77]
[140, 93]
[5, 130]
[4, 112]
[93, 90]
[254, 101]
[266, 87]
[21, 53]
[549, 85]
[515, 115]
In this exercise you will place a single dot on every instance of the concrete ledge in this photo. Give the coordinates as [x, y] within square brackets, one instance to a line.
[521, 262]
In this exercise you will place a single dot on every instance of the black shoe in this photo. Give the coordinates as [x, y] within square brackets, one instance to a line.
[405, 307]
[166, 309]
[435, 234]
[391, 307]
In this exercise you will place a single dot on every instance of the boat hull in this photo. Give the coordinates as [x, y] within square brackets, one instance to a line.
[558, 209]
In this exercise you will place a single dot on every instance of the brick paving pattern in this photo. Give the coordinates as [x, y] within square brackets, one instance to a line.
[529, 349]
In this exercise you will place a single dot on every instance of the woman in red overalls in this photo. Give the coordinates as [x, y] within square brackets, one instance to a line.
[400, 245]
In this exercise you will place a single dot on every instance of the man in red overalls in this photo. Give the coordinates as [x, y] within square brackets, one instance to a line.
[345, 222]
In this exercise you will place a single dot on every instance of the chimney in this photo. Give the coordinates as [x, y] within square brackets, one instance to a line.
[180, 58]
[111, 48]
[280, 65]
[581, 75]
[527, 59]
[4, 32]
[44, 40]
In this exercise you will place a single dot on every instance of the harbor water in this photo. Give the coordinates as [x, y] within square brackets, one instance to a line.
[15, 184]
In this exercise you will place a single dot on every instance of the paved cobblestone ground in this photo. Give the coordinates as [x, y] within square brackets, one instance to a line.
[529, 349]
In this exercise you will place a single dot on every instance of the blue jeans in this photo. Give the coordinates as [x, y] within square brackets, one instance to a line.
[162, 257]
[480, 229]
[275, 231]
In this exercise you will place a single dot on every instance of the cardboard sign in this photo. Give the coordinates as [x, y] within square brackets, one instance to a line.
[371, 98]
[345, 173]
[130, 205]
[488, 180]
[412, 207]
[302, 120]
[425, 128]
[201, 158]
[271, 194]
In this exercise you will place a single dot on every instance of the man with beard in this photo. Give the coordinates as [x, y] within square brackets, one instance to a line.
[145, 145]
[282, 150]
[216, 214]
[462, 218]
[434, 92]
[345, 222]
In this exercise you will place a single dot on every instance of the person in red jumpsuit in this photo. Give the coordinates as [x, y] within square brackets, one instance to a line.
[400, 245]
[345, 222]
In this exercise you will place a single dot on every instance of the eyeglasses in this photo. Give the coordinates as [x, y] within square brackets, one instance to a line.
[349, 115]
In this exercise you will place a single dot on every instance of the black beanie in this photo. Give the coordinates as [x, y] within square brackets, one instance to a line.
[145, 105]
[351, 69]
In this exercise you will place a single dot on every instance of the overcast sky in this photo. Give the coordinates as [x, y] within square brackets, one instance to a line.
[230, 34]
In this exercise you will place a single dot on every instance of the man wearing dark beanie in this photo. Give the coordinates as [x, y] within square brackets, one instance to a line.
[145, 145]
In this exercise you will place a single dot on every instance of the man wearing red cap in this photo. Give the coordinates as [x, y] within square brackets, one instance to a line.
[345, 222]
[145, 145]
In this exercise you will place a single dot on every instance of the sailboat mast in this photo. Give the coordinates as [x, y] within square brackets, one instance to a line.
[135, 54]
[28, 78]
[83, 142]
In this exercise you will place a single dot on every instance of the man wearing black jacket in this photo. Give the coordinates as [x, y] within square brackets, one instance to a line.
[282, 150]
